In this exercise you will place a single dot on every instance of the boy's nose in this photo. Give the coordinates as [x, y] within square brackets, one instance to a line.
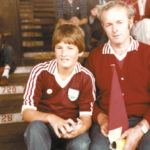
[63, 52]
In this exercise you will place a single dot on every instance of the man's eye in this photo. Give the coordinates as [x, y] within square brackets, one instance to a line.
[119, 22]
[107, 25]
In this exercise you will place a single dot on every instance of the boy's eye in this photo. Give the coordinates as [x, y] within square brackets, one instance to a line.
[58, 47]
[70, 47]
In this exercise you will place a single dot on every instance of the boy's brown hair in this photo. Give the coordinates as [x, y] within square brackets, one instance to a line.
[69, 33]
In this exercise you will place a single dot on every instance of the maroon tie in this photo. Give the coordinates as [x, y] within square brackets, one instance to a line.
[117, 110]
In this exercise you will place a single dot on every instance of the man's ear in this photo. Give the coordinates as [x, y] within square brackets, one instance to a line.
[131, 23]
[81, 53]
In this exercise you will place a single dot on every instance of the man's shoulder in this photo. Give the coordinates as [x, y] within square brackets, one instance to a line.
[144, 50]
[86, 71]
[144, 47]
[98, 50]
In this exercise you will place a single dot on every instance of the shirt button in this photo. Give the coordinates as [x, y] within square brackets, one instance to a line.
[122, 78]
[122, 94]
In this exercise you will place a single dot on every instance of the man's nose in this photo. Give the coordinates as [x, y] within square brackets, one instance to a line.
[114, 28]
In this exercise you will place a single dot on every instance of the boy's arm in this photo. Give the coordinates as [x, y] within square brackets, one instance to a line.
[59, 125]
[86, 123]
[30, 115]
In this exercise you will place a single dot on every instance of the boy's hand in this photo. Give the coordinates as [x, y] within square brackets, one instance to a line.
[61, 126]
[76, 128]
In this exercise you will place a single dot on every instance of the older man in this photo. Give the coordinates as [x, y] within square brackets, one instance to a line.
[132, 62]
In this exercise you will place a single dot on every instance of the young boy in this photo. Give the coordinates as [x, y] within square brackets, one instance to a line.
[59, 96]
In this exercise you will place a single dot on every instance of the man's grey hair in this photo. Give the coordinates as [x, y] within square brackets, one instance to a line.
[112, 4]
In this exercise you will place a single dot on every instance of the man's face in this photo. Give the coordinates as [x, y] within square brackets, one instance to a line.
[117, 25]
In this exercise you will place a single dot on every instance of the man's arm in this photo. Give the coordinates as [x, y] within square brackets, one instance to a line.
[102, 120]
[62, 20]
[83, 21]
[74, 20]
[77, 21]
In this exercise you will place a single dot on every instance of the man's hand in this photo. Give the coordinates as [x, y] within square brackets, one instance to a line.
[103, 122]
[132, 136]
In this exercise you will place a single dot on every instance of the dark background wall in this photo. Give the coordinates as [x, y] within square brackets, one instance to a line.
[9, 23]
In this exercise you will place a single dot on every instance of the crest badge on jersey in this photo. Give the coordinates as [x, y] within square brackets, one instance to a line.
[73, 94]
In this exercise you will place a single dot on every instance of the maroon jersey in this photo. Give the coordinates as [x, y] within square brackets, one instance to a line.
[46, 92]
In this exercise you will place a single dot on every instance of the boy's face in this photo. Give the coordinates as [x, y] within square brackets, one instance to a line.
[66, 55]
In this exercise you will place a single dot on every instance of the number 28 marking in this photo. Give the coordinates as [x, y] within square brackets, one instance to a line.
[6, 118]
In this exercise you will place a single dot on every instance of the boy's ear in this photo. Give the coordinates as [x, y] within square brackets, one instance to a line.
[81, 53]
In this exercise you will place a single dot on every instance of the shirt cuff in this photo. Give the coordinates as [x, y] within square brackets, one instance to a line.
[81, 113]
[27, 107]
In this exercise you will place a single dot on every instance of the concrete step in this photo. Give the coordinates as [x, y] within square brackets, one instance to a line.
[10, 104]
[45, 9]
[31, 27]
[11, 136]
[33, 43]
[31, 34]
[42, 4]
[44, 15]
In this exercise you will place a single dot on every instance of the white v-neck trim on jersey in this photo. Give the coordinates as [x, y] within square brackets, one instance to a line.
[61, 82]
